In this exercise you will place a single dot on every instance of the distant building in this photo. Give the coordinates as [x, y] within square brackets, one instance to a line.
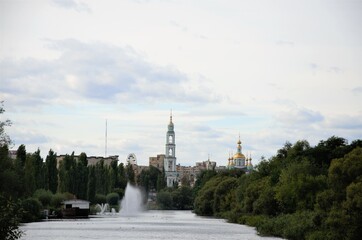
[206, 165]
[158, 161]
[12, 154]
[132, 159]
[75, 208]
[187, 174]
[92, 160]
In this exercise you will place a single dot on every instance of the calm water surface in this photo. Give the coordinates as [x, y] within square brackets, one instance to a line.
[148, 225]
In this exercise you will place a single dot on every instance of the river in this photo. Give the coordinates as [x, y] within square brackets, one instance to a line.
[160, 225]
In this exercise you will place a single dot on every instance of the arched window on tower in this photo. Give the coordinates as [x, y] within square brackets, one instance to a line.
[170, 140]
[170, 152]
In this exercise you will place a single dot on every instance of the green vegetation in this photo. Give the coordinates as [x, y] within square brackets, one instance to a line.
[303, 192]
[177, 198]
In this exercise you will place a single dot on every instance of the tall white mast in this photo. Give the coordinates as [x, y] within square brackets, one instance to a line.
[105, 150]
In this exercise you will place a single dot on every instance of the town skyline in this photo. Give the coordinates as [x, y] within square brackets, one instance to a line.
[269, 71]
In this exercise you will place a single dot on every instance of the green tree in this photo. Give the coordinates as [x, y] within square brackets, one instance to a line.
[44, 196]
[11, 184]
[52, 171]
[297, 189]
[182, 198]
[112, 198]
[4, 138]
[29, 175]
[91, 188]
[225, 195]
[10, 216]
[82, 177]
[122, 180]
[164, 200]
[21, 156]
[130, 174]
[204, 200]
[161, 181]
[31, 207]
[67, 176]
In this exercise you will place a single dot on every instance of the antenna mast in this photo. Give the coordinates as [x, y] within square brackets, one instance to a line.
[105, 150]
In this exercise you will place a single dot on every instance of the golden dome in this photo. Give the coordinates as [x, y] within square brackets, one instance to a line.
[238, 155]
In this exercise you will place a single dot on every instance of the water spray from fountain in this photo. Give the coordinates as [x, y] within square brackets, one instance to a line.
[131, 204]
[103, 208]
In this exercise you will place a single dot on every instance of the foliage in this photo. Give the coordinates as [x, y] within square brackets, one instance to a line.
[100, 198]
[149, 178]
[11, 184]
[112, 198]
[289, 226]
[4, 138]
[130, 174]
[164, 200]
[177, 198]
[302, 192]
[44, 196]
[31, 207]
[10, 215]
[57, 199]
[182, 198]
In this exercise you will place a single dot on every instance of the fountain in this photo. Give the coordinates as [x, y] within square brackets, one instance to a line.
[103, 207]
[131, 203]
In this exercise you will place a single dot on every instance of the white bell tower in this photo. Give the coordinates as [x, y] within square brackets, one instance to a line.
[170, 158]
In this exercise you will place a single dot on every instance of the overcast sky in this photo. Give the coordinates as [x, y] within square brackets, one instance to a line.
[273, 71]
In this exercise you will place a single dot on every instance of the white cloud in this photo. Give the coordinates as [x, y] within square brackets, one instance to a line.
[287, 71]
[96, 72]
[72, 4]
[297, 117]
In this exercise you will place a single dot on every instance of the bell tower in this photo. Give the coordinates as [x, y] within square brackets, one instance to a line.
[170, 155]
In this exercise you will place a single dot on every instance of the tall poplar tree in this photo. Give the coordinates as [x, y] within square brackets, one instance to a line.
[82, 176]
[91, 188]
[52, 171]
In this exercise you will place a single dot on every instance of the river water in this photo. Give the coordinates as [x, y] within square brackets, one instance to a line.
[147, 225]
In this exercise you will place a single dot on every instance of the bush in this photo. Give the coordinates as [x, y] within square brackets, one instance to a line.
[112, 198]
[10, 214]
[44, 196]
[182, 198]
[164, 200]
[100, 198]
[290, 226]
[31, 207]
[120, 192]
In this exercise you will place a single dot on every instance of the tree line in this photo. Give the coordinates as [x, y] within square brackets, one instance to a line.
[302, 192]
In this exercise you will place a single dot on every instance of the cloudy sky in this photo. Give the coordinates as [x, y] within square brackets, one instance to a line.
[273, 71]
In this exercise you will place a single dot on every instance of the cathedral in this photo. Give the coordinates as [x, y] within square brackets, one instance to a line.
[239, 161]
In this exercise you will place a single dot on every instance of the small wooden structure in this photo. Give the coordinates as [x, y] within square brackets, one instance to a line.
[75, 208]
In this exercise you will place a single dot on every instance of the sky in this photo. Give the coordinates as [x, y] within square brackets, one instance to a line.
[270, 71]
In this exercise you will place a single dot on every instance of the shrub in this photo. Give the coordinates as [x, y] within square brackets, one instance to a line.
[164, 200]
[120, 192]
[291, 226]
[112, 198]
[100, 198]
[31, 207]
[10, 214]
[44, 196]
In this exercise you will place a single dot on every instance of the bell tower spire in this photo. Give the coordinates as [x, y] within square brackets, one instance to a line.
[171, 116]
